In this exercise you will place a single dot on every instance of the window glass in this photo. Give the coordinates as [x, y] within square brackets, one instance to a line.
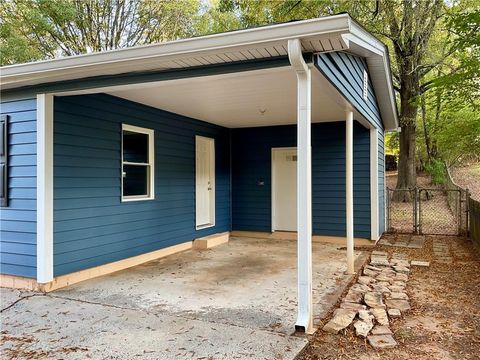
[135, 147]
[135, 180]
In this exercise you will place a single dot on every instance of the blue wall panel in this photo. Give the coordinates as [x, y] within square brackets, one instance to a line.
[251, 165]
[18, 221]
[91, 224]
[345, 73]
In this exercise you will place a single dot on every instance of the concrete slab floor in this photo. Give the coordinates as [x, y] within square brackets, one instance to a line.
[237, 300]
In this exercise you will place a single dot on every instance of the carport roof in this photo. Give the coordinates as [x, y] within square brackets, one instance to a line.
[331, 33]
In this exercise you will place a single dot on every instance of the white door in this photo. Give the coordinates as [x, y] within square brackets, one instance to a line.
[284, 189]
[204, 182]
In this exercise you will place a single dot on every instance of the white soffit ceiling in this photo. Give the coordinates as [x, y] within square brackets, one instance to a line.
[254, 98]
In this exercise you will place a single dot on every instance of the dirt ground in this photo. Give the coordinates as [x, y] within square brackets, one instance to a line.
[468, 177]
[444, 322]
[423, 180]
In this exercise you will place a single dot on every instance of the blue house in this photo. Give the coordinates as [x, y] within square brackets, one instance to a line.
[116, 158]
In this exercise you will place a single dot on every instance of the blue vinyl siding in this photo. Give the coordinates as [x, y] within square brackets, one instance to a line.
[251, 165]
[91, 224]
[345, 73]
[381, 181]
[18, 221]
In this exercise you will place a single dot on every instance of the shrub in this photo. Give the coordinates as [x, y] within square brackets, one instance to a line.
[436, 170]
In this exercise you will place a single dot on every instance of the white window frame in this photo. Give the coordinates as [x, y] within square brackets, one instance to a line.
[150, 164]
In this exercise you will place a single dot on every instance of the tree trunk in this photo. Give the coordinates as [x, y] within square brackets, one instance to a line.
[425, 130]
[407, 175]
[406, 164]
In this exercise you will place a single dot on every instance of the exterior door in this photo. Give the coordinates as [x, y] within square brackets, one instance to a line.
[204, 182]
[284, 189]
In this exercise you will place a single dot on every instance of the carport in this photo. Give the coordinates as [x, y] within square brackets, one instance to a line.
[226, 102]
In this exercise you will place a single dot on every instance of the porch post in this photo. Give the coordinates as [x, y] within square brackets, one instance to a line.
[304, 187]
[44, 188]
[349, 189]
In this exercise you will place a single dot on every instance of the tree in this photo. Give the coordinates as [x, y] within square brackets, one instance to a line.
[39, 29]
[409, 27]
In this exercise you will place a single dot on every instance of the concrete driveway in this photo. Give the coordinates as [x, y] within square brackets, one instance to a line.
[237, 300]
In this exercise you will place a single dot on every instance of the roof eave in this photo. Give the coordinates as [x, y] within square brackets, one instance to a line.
[13, 75]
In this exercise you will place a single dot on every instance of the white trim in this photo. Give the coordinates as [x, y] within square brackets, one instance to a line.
[150, 164]
[273, 182]
[44, 188]
[304, 186]
[374, 232]
[349, 190]
[211, 142]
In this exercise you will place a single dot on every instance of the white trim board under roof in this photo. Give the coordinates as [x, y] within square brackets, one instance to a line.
[331, 33]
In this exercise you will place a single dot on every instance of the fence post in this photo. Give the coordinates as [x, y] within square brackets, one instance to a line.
[418, 210]
[459, 210]
[467, 212]
[388, 209]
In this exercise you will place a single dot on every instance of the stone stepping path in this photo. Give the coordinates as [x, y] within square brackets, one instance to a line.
[378, 296]
[441, 251]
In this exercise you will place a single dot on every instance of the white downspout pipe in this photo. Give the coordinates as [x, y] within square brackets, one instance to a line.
[374, 231]
[349, 189]
[304, 187]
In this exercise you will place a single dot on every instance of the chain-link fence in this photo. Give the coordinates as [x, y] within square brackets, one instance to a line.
[427, 211]
[401, 215]
[458, 202]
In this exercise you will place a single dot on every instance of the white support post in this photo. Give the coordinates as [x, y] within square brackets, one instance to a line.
[374, 232]
[304, 187]
[44, 188]
[349, 190]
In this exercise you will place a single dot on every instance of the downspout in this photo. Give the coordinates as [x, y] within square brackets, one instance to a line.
[304, 187]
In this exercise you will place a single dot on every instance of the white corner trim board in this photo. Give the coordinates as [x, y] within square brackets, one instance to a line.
[374, 232]
[349, 190]
[44, 188]
[304, 186]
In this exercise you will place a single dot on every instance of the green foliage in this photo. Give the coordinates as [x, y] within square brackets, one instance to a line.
[40, 29]
[461, 81]
[459, 136]
[392, 143]
[436, 170]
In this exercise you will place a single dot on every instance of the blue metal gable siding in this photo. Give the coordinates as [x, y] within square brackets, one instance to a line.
[345, 73]
[251, 166]
[91, 224]
[18, 221]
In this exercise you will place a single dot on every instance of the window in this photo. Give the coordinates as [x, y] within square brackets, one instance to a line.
[138, 172]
